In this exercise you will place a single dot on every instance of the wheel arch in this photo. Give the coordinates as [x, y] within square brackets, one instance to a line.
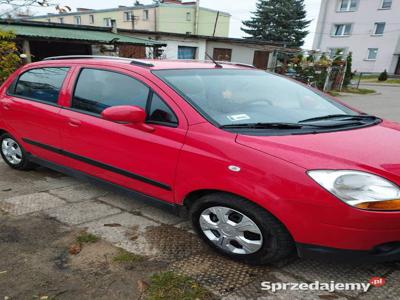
[194, 196]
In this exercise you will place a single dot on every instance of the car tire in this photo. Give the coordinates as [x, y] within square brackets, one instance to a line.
[267, 240]
[14, 154]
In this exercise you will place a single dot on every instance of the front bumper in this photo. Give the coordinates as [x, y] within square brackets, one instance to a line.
[381, 253]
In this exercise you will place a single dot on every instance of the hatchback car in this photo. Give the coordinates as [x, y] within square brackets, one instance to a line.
[265, 166]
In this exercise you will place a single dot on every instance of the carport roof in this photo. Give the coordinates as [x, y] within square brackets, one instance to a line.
[76, 33]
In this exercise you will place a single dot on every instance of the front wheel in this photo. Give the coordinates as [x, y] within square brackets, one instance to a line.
[13, 153]
[240, 229]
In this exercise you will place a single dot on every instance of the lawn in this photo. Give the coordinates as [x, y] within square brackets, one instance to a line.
[374, 79]
[351, 90]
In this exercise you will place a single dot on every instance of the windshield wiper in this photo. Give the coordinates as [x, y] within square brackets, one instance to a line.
[342, 117]
[269, 126]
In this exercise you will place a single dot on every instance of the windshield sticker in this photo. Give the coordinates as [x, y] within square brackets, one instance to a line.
[235, 118]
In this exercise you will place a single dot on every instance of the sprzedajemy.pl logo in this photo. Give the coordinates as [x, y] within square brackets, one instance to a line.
[331, 286]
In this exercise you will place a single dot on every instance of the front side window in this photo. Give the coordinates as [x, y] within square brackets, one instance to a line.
[97, 90]
[41, 84]
[231, 97]
[348, 5]
[160, 112]
[379, 28]
[386, 4]
[372, 53]
[342, 30]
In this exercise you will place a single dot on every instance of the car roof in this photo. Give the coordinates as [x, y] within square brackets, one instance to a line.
[153, 64]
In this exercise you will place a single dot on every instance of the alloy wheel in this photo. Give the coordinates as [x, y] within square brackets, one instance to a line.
[231, 230]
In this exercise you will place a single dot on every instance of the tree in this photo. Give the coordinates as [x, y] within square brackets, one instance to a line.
[278, 21]
[348, 75]
[11, 7]
[9, 57]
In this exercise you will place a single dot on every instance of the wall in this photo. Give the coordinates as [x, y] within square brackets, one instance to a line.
[240, 53]
[207, 20]
[171, 51]
[140, 23]
[361, 38]
[172, 18]
[169, 17]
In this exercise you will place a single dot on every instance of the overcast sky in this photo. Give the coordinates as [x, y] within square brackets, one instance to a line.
[239, 9]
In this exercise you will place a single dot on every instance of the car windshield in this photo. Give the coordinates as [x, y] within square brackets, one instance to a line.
[236, 96]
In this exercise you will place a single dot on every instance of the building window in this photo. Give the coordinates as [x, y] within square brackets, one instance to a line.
[379, 28]
[78, 20]
[49, 20]
[188, 16]
[91, 19]
[107, 22]
[334, 52]
[145, 14]
[187, 52]
[386, 4]
[342, 30]
[372, 53]
[222, 54]
[61, 20]
[127, 16]
[348, 5]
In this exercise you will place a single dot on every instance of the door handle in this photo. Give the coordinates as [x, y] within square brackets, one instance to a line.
[74, 123]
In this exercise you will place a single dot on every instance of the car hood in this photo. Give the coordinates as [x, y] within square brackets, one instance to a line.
[375, 149]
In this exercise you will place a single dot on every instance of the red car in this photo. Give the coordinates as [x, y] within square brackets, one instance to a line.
[265, 167]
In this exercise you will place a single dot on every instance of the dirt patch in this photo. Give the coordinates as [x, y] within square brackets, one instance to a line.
[35, 262]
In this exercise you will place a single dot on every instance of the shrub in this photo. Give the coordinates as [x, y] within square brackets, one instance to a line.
[383, 76]
[9, 57]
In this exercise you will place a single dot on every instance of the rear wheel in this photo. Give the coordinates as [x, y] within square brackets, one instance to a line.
[240, 229]
[13, 153]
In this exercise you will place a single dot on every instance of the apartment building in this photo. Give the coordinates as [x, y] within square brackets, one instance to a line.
[173, 16]
[370, 29]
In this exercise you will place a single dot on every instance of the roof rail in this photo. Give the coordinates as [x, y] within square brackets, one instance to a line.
[132, 61]
[237, 64]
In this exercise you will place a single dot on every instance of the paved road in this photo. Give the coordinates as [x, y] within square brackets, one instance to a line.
[386, 104]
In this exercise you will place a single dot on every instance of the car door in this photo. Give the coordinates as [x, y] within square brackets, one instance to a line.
[120, 153]
[30, 109]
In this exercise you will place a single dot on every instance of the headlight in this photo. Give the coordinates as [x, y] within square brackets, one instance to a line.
[359, 189]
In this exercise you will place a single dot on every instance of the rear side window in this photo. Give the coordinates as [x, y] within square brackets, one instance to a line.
[41, 84]
[97, 90]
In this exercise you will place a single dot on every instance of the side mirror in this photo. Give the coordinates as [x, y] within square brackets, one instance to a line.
[126, 114]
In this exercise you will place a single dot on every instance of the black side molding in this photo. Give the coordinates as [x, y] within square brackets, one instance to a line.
[99, 165]
[170, 207]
